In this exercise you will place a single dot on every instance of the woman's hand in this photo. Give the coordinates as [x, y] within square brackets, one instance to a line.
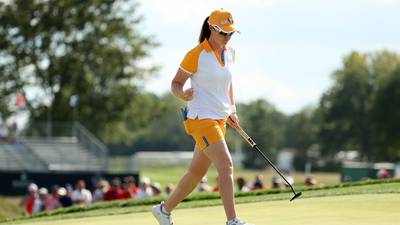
[233, 120]
[188, 94]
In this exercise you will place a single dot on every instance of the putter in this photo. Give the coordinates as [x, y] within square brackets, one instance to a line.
[254, 146]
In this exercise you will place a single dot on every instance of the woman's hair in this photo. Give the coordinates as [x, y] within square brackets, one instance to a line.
[205, 31]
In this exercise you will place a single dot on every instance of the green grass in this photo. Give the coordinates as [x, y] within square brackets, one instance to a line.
[9, 207]
[367, 209]
[371, 188]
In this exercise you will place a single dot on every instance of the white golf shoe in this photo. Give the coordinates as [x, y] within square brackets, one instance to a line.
[237, 221]
[162, 217]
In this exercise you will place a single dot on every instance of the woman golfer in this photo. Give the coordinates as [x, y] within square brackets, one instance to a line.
[210, 103]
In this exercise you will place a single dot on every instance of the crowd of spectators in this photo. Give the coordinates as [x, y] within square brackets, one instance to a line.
[242, 185]
[40, 199]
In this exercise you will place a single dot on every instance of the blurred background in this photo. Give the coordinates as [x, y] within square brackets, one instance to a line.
[85, 101]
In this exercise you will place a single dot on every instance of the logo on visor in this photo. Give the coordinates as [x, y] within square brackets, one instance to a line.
[229, 20]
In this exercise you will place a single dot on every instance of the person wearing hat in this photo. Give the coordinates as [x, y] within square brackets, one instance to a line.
[210, 102]
[30, 201]
[43, 197]
[64, 198]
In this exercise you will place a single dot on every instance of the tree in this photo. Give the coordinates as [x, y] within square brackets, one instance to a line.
[386, 114]
[301, 130]
[346, 108]
[166, 132]
[52, 50]
[266, 126]
[301, 134]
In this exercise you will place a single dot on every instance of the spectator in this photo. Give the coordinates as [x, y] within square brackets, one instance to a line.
[101, 188]
[115, 192]
[145, 189]
[43, 197]
[310, 181]
[130, 187]
[216, 188]
[290, 180]
[258, 182]
[169, 188]
[53, 199]
[277, 182]
[156, 188]
[81, 195]
[64, 198]
[241, 184]
[382, 173]
[203, 186]
[30, 202]
[127, 192]
[69, 188]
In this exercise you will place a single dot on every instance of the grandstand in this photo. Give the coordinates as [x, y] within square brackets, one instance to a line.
[17, 156]
[36, 150]
[57, 153]
[64, 154]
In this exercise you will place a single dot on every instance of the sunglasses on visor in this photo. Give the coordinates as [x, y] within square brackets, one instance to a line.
[221, 32]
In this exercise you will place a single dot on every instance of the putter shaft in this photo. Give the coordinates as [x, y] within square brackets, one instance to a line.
[251, 142]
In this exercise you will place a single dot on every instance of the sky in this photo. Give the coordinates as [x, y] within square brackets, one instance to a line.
[287, 50]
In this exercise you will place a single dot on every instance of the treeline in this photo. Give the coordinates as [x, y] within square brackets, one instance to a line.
[81, 61]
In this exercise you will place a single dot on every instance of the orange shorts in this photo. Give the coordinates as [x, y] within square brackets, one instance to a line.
[205, 131]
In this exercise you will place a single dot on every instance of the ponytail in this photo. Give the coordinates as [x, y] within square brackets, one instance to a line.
[205, 31]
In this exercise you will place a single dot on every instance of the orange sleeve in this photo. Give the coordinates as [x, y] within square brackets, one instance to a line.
[189, 62]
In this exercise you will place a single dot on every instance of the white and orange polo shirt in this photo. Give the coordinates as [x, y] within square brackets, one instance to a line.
[210, 79]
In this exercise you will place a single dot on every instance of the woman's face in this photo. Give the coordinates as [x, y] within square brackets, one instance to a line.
[220, 38]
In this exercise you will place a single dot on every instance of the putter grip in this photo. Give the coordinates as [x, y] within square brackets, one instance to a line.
[245, 136]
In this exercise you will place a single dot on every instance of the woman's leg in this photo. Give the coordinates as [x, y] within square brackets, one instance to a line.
[219, 154]
[197, 169]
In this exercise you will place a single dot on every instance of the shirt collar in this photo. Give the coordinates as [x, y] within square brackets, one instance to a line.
[207, 46]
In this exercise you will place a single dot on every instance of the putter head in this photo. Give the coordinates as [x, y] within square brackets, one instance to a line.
[296, 196]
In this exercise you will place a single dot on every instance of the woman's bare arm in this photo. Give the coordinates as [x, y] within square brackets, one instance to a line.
[177, 86]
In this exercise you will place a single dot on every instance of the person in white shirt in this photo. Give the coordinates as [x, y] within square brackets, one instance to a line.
[81, 195]
[144, 188]
[211, 105]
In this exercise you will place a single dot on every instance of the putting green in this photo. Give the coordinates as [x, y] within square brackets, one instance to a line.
[366, 209]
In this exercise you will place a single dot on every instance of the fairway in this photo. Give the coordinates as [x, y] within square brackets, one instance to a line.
[366, 209]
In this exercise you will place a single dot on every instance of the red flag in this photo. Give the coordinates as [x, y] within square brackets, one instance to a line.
[20, 100]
